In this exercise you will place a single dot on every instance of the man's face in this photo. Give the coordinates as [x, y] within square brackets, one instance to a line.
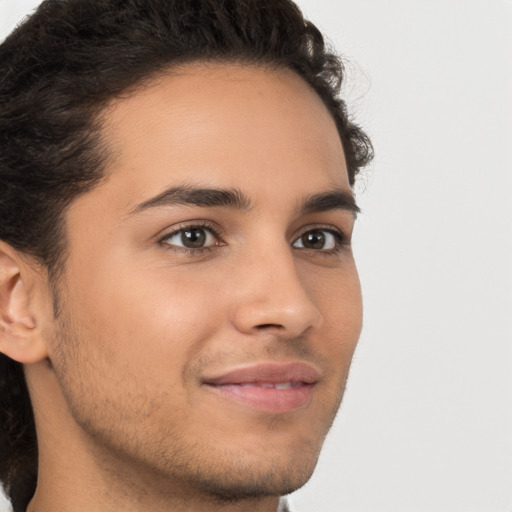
[206, 337]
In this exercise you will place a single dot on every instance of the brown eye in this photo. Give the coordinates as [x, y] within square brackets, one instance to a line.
[318, 240]
[191, 238]
[313, 240]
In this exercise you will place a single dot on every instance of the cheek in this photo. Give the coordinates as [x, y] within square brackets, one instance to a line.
[130, 339]
[337, 294]
[148, 318]
[345, 310]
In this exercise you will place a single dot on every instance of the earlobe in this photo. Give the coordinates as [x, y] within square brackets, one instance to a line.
[20, 337]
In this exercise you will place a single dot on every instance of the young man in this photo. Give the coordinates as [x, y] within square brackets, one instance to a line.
[179, 303]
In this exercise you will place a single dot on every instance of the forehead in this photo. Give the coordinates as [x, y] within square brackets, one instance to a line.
[263, 132]
[222, 123]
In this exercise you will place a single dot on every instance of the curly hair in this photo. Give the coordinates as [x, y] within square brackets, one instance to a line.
[59, 69]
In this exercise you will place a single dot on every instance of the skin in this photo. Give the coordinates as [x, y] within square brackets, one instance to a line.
[124, 421]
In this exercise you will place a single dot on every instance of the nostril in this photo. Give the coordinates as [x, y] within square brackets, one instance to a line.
[269, 326]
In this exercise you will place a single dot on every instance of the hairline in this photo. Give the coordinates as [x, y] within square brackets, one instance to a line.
[99, 119]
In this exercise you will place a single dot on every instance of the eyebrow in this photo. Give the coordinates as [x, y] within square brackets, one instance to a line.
[204, 197]
[232, 198]
[336, 199]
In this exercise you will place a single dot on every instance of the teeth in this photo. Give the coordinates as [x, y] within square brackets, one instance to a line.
[283, 385]
[268, 385]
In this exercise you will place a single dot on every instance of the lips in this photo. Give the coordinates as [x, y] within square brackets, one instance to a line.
[271, 387]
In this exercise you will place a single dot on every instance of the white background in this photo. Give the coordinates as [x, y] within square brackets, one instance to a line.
[426, 425]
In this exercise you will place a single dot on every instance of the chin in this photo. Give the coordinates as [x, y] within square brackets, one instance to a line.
[248, 481]
[253, 490]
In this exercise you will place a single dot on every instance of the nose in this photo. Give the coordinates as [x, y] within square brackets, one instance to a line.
[271, 297]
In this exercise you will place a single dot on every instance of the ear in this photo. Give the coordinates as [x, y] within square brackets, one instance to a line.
[20, 334]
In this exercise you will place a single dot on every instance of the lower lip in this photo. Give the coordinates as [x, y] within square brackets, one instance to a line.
[266, 399]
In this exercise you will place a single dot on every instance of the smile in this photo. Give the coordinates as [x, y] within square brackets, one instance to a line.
[271, 388]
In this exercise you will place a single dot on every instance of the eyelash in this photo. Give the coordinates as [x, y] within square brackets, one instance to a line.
[341, 240]
[207, 226]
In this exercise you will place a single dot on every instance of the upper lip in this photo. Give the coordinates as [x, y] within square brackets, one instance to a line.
[267, 372]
